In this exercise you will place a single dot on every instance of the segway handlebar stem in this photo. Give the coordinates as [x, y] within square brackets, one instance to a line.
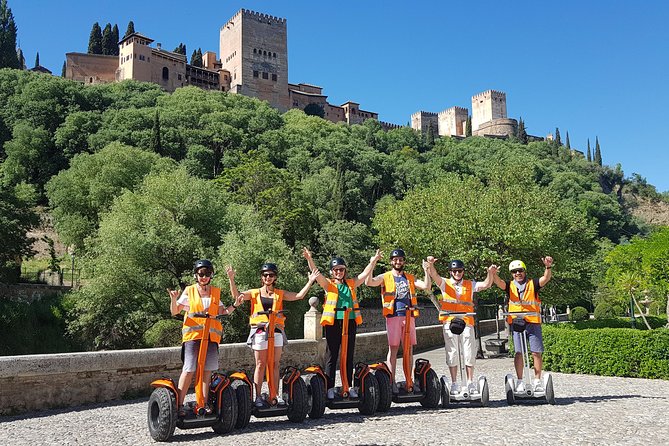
[455, 313]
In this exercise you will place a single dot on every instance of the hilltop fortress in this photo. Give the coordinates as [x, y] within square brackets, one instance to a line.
[253, 61]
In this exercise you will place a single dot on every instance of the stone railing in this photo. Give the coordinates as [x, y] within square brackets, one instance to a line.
[36, 382]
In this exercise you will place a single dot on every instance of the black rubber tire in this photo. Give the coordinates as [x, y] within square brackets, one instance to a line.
[228, 416]
[243, 394]
[369, 402]
[510, 398]
[445, 393]
[550, 393]
[385, 390]
[298, 408]
[316, 390]
[162, 414]
[432, 390]
[485, 394]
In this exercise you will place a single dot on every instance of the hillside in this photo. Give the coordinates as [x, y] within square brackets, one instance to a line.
[651, 211]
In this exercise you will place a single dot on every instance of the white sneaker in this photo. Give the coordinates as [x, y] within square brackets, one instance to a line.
[455, 388]
[352, 393]
[538, 385]
[520, 387]
[473, 388]
[280, 401]
[259, 402]
[331, 394]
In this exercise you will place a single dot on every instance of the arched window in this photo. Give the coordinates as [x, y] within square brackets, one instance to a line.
[166, 74]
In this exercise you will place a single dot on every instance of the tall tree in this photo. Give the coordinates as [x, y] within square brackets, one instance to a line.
[589, 152]
[108, 42]
[155, 134]
[558, 140]
[429, 135]
[37, 60]
[522, 133]
[196, 58]
[95, 40]
[130, 29]
[598, 152]
[181, 49]
[115, 37]
[63, 72]
[468, 126]
[22, 59]
[568, 146]
[8, 31]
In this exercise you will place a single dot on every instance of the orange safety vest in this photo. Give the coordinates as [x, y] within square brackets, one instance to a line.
[331, 303]
[193, 326]
[530, 302]
[452, 303]
[388, 293]
[256, 305]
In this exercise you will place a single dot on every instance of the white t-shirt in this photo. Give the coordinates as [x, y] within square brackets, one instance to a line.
[206, 301]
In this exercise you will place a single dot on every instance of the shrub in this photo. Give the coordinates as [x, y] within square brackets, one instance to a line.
[579, 314]
[164, 333]
[608, 351]
[616, 322]
[606, 311]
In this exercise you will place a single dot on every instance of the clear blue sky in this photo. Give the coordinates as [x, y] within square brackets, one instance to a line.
[591, 68]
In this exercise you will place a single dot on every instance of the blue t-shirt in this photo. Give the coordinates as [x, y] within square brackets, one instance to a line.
[402, 296]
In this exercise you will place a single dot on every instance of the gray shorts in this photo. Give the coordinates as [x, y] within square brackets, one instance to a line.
[191, 350]
[534, 336]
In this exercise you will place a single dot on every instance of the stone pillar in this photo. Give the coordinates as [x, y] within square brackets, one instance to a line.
[312, 321]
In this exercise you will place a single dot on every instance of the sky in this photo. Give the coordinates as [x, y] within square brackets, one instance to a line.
[590, 68]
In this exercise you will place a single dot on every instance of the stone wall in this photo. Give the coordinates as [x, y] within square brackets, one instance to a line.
[497, 127]
[28, 292]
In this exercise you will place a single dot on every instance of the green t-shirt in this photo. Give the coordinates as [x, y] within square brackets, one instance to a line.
[344, 299]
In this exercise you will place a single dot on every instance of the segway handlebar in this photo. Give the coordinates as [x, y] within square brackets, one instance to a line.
[220, 317]
[455, 313]
[268, 312]
[341, 308]
[520, 313]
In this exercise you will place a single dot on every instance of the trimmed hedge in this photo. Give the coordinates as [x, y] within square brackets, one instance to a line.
[607, 351]
[619, 322]
[579, 314]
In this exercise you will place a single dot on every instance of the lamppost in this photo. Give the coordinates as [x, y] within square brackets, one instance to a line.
[72, 272]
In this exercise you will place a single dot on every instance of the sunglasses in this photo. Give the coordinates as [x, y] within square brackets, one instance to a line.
[516, 271]
[207, 274]
[268, 275]
[339, 270]
[454, 271]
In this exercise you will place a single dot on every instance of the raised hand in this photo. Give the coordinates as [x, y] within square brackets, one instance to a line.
[306, 253]
[548, 261]
[376, 257]
[239, 300]
[313, 276]
[174, 294]
[431, 260]
[493, 269]
[230, 271]
[426, 265]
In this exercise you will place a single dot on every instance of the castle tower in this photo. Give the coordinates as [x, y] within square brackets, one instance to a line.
[452, 121]
[487, 106]
[421, 121]
[254, 50]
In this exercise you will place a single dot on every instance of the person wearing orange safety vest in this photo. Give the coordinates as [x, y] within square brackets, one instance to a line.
[263, 299]
[398, 291]
[457, 296]
[199, 298]
[523, 296]
[340, 292]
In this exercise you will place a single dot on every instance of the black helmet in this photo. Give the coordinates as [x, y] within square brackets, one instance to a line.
[269, 267]
[456, 264]
[397, 253]
[337, 261]
[203, 263]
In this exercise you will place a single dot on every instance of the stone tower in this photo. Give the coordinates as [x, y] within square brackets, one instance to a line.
[488, 106]
[421, 120]
[254, 49]
[452, 121]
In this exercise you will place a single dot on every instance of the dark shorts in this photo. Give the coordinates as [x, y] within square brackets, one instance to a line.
[536, 340]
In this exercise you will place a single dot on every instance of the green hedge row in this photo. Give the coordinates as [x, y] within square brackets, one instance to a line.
[616, 322]
[607, 351]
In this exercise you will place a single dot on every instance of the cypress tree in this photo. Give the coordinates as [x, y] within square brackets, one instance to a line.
[181, 49]
[155, 134]
[108, 43]
[568, 146]
[468, 126]
[522, 133]
[199, 57]
[64, 70]
[37, 60]
[8, 55]
[95, 40]
[598, 152]
[196, 58]
[22, 59]
[558, 140]
[429, 135]
[115, 37]
[130, 29]
[589, 152]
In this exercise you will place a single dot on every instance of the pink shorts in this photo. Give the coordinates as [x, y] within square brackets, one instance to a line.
[395, 327]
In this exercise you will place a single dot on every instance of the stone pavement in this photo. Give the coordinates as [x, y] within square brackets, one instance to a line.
[589, 410]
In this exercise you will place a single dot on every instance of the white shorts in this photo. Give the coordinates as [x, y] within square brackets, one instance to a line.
[468, 346]
[258, 340]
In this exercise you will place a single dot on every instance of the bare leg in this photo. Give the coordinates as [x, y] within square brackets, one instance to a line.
[206, 380]
[518, 364]
[277, 361]
[470, 373]
[259, 373]
[454, 373]
[538, 364]
[392, 360]
[184, 383]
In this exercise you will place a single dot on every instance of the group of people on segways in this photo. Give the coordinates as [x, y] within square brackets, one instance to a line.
[368, 387]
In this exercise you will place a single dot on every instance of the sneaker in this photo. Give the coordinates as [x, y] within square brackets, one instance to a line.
[472, 388]
[520, 387]
[395, 389]
[259, 402]
[280, 401]
[538, 385]
[352, 393]
[181, 413]
[331, 394]
[455, 388]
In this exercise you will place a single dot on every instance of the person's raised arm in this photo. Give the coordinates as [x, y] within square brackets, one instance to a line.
[233, 287]
[322, 281]
[426, 283]
[290, 296]
[438, 280]
[362, 277]
[487, 283]
[496, 279]
[175, 308]
[548, 263]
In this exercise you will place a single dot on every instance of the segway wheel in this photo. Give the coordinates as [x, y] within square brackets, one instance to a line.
[445, 393]
[550, 394]
[385, 390]
[316, 389]
[298, 408]
[432, 390]
[243, 394]
[510, 398]
[228, 416]
[485, 393]
[162, 414]
[370, 397]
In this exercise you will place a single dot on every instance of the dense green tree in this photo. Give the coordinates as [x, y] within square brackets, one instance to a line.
[314, 109]
[598, 152]
[8, 36]
[429, 135]
[196, 58]
[181, 49]
[558, 139]
[468, 126]
[589, 156]
[72, 136]
[95, 40]
[130, 29]
[115, 39]
[108, 42]
[155, 145]
[16, 219]
[63, 71]
[522, 132]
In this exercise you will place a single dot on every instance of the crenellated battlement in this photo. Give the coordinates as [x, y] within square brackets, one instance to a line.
[490, 93]
[454, 110]
[390, 126]
[423, 113]
[262, 16]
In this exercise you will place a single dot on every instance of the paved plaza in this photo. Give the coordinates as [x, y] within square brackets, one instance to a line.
[589, 410]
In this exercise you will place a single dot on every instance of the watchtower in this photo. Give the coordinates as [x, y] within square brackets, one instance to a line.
[487, 106]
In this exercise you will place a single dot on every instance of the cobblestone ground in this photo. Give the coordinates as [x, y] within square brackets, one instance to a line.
[589, 410]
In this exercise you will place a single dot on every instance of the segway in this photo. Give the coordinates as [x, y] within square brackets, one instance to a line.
[422, 386]
[367, 400]
[511, 383]
[295, 394]
[483, 393]
[163, 413]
